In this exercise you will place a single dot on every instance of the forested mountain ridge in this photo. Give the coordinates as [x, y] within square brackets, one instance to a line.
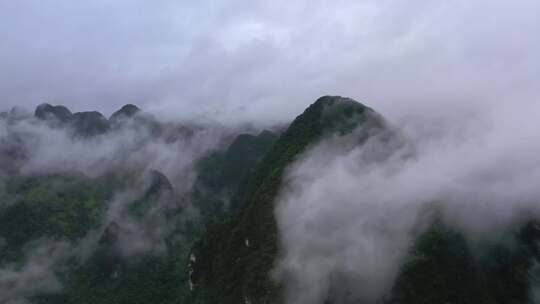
[133, 210]
[97, 200]
[233, 260]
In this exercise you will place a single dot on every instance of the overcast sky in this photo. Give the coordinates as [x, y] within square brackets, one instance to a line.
[267, 60]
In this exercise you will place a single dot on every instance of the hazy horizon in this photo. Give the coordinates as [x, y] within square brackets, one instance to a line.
[250, 61]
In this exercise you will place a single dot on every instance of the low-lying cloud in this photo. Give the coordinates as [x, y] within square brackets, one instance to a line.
[46, 149]
[38, 273]
[458, 79]
[347, 219]
[164, 161]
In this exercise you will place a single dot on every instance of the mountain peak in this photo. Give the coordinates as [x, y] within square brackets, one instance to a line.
[338, 107]
[90, 123]
[46, 111]
[254, 223]
[333, 99]
[342, 114]
[128, 110]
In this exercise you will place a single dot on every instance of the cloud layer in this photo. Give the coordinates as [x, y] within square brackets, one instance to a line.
[348, 216]
[236, 59]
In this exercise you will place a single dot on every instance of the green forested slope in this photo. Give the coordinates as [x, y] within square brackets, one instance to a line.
[223, 175]
[233, 261]
[228, 253]
[234, 258]
[69, 211]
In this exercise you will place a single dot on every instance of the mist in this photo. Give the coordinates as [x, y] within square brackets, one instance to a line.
[348, 217]
[173, 149]
[457, 82]
[37, 275]
[144, 149]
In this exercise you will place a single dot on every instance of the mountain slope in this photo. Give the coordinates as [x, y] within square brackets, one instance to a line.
[223, 175]
[233, 261]
[443, 268]
[121, 234]
[48, 112]
[216, 240]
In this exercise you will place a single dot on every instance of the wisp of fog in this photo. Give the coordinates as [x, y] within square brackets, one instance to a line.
[32, 147]
[347, 219]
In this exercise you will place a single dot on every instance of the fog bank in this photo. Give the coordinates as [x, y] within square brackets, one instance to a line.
[348, 216]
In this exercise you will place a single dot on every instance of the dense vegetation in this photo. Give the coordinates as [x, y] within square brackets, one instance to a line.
[56, 206]
[226, 250]
[223, 175]
[69, 207]
[234, 258]
[443, 268]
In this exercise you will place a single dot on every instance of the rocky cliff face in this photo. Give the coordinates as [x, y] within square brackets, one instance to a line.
[58, 113]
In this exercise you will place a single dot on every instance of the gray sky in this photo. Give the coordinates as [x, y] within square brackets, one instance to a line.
[255, 60]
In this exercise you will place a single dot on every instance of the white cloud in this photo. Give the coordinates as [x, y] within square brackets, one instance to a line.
[347, 216]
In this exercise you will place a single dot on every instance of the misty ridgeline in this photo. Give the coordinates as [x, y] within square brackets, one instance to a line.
[338, 206]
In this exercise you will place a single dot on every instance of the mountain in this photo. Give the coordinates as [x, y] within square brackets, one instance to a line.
[127, 111]
[83, 124]
[89, 123]
[58, 113]
[120, 234]
[130, 114]
[223, 175]
[62, 206]
[165, 217]
[233, 260]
